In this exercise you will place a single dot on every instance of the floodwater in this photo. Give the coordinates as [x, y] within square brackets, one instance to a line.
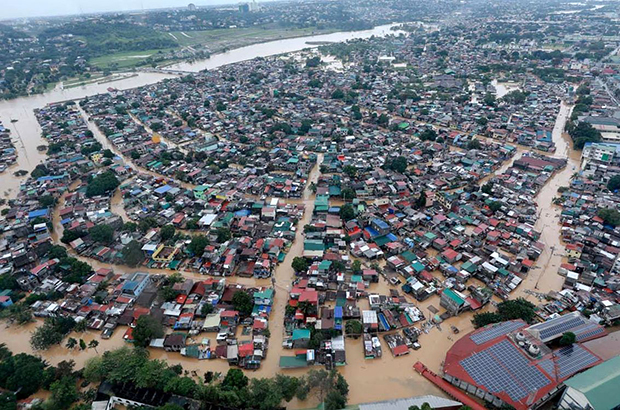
[27, 133]
[544, 277]
[369, 380]
[501, 89]
[279, 47]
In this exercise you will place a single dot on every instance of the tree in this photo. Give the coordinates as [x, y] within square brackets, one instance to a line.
[335, 401]
[517, 309]
[70, 235]
[82, 344]
[64, 393]
[474, 144]
[399, 164]
[8, 401]
[610, 216]
[132, 253]
[223, 234]
[166, 232]
[22, 373]
[102, 233]
[266, 393]
[350, 170]
[71, 343]
[338, 266]
[487, 188]
[102, 184]
[495, 206]
[489, 99]
[348, 193]
[7, 281]
[197, 245]
[568, 339]
[614, 183]
[243, 302]
[353, 327]
[93, 369]
[356, 266]
[235, 379]
[485, 318]
[288, 386]
[338, 94]
[147, 328]
[313, 62]
[182, 386]
[206, 309]
[347, 212]
[52, 332]
[299, 264]
[93, 345]
[153, 374]
[582, 133]
[420, 202]
[47, 200]
[428, 134]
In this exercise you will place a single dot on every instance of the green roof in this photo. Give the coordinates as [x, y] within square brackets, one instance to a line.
[456, 298]
[299, 334]
[599, 384]
[313, 245]
[291, 362]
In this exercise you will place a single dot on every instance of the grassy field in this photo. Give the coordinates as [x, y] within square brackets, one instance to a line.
[124, 60]
[215, 40]
[238, 37]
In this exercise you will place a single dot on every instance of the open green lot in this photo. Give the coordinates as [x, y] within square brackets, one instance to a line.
[233, 37]
[124, 60]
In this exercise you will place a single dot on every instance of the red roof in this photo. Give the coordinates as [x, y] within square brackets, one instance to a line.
[400, 350]
[311, 296]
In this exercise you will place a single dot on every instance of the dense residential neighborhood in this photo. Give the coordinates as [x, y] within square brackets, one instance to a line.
[437, 206]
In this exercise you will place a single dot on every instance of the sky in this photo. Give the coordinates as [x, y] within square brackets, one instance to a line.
[37, 8]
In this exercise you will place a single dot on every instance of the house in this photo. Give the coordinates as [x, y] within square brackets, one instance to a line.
[300, 338]
[136, 284]
[452, 301]
[174, 342]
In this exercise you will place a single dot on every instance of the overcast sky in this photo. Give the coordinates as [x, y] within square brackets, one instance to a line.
[36, 8]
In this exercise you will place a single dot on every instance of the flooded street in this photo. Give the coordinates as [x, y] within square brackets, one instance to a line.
[369, 380]
[544, 276]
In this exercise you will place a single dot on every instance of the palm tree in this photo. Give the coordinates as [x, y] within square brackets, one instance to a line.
[71, 343]
[82, 344]
[93, 345]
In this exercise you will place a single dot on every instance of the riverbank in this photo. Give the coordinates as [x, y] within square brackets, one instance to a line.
[28, 133]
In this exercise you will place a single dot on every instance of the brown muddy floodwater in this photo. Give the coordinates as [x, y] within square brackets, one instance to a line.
[369, 380]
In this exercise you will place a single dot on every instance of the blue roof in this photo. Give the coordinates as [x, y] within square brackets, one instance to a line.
[371, 231]
[163, 189]
[338, 312]
[50, 178]
[37, 213]
[243, 212]
[381, 224]
[130, 285]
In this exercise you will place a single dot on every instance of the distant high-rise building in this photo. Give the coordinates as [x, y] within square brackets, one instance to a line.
[249, 7]
[191, 6]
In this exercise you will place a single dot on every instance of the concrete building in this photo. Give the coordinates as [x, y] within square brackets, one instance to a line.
[596, 388]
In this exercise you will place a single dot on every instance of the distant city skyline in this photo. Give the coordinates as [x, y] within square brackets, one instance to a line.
[49, 8]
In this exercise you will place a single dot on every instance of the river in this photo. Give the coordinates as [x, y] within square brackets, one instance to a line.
[27, 133]
[369, 380]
